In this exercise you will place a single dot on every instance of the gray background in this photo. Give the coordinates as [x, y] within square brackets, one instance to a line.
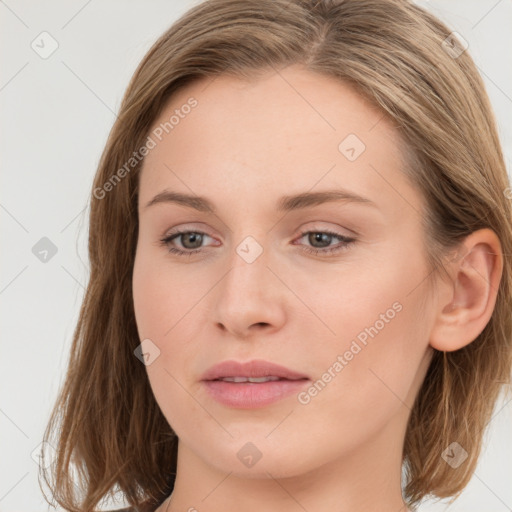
[56, 115]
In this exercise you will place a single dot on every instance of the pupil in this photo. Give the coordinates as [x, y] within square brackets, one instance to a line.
[317, 237]
[193, 236]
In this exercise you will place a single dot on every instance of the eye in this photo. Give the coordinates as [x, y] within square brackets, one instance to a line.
[191, 241]
[324, 238]
[188, 238]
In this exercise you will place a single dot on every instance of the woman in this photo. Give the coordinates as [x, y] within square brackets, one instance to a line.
[299, 295]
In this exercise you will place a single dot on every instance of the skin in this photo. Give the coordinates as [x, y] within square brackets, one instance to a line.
[243, 147]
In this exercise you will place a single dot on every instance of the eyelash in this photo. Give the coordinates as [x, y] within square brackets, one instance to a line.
[346, 242]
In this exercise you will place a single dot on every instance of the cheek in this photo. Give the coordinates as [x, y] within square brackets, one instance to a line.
[166, 305]
[161, 297]
[381, 359]
[143, 289]
[160, 301]
[379, 335]
[373, 390]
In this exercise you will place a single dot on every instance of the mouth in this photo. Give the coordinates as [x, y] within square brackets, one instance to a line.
[251, 371]
[254, 380]
[252, 384]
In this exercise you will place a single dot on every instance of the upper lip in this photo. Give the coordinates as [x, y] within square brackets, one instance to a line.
[254, 368]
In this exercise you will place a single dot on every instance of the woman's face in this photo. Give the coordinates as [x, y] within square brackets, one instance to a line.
[275, 163]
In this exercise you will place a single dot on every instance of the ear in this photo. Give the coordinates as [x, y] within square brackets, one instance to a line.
[466, 302]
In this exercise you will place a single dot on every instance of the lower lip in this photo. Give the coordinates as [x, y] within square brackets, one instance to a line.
[250, 395]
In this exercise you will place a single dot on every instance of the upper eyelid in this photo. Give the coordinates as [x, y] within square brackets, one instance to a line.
[350, 232]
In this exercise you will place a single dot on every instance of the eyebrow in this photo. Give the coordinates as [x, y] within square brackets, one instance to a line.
[284, 204]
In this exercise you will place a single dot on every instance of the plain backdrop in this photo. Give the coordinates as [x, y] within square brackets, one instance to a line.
[56, 114]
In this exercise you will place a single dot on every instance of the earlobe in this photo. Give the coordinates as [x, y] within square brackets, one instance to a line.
[466, 304]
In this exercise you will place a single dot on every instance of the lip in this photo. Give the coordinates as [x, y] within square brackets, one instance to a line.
[249, 395]
[254, 368]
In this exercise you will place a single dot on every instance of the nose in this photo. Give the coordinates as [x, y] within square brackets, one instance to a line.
[250, 299]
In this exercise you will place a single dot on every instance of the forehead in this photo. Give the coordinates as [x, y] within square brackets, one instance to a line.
[282, 131]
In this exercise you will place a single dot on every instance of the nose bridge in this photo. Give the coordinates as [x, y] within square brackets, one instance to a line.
[249, 272]
[247, 294]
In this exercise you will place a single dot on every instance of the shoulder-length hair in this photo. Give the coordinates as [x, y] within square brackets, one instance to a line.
[108, 430]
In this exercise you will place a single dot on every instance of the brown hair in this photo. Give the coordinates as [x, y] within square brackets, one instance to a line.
[108, 426]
